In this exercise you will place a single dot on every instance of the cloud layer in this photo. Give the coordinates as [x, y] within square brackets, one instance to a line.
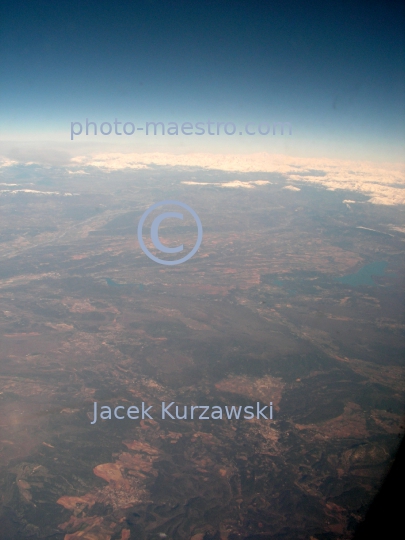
[382, 183]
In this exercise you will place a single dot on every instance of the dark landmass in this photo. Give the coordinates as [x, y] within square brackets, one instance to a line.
[271, 308]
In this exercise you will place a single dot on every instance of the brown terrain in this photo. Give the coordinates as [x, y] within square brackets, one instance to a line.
[258, 314]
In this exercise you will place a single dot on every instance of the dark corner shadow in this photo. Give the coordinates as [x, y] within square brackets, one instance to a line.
[385, 516]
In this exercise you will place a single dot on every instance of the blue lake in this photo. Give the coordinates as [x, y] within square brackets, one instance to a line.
[364, 276]
[112, 283]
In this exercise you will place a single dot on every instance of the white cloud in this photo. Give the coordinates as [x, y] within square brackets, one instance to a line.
[399, 229]
[232, 184]
[5, 162]
[383, 183]
[31, 192]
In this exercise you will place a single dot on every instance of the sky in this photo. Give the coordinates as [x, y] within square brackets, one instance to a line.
[334, 70]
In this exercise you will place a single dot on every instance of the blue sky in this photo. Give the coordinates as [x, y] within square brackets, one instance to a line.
[335, 70]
